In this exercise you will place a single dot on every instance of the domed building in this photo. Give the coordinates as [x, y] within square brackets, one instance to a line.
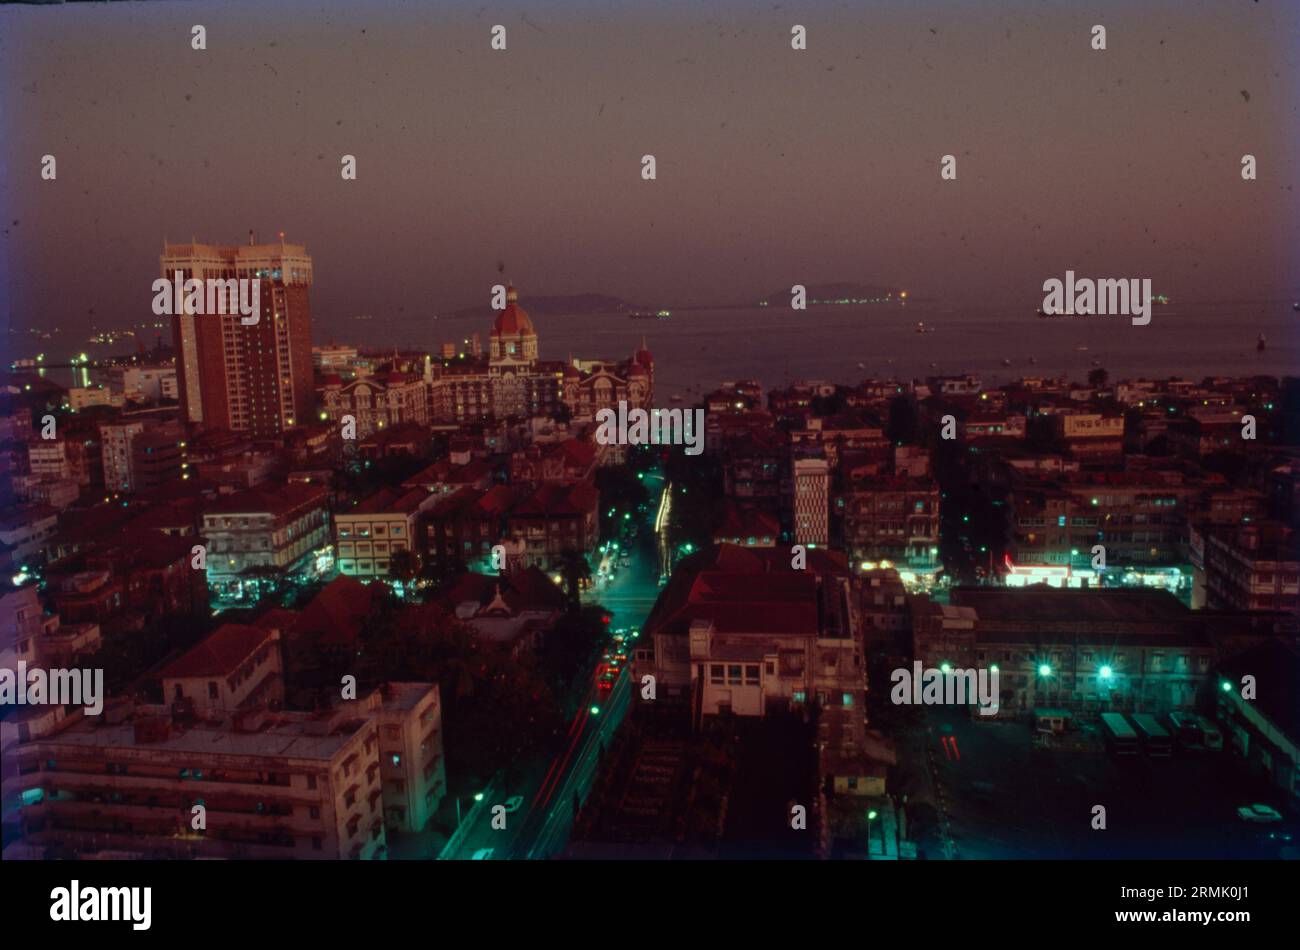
[513, 338]
[513, 383]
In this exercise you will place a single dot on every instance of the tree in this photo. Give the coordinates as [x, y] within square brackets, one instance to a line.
[404, 566]
[575, 570]
[1097, 378]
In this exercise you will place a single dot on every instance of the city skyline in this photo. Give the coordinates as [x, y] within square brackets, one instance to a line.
[791, 166]
[563, 432]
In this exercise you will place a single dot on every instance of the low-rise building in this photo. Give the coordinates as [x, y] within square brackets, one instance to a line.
[368, 535]
[269, 529]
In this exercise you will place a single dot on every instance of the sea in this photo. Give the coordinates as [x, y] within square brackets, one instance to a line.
[696, 349]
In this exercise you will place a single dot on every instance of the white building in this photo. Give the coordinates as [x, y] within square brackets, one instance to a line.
[811, 501]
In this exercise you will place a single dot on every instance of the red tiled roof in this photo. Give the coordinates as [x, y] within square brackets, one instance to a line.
[336, 614]
[744, 590]
[220, 654]
[276, 501]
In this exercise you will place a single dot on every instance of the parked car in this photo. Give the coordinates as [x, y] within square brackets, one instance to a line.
[1259, 814]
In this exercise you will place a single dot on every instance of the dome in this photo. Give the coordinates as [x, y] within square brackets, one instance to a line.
[637, 370]
[513, 320]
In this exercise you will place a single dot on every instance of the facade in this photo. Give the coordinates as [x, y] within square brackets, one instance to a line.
[1140, 518]
[377, 402]
[150, 383]
[513, 383]
[234, 667]
[25, 531]
[272, 785]
[368, 535]
[811, 501]
[271, 529]
[737, 631]
[75, 456]
[1083, 650]
[1246, 567]
[893, 518]
[257, 378]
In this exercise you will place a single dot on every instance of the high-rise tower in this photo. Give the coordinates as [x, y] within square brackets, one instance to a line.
[251, 378]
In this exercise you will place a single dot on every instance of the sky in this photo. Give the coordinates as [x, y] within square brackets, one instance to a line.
[774, 166]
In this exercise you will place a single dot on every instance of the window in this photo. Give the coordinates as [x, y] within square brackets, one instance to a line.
[847, 699]
[716, 674]
[213, 692]
[751, 673]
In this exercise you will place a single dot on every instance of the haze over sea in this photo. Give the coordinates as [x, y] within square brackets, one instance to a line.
[695, 350]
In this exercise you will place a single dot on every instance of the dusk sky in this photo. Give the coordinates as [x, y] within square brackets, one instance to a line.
[774, 166]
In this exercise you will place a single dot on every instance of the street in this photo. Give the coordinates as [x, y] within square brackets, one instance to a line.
[540, 826]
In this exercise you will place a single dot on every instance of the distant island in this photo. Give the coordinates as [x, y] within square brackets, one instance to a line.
[840, 294]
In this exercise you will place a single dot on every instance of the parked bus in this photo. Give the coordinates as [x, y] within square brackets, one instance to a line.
[1186, 730]
[1120, 736]
[1213, 737]
[1155, 739]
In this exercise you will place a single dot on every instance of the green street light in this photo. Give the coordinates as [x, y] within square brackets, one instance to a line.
[945, 667]
[1227, 687]
[595, 710]
[1044, 669]
[1106, 672]
[478, 796]
[871, 816]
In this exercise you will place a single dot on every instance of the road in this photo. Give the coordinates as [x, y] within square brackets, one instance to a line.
[540, 826]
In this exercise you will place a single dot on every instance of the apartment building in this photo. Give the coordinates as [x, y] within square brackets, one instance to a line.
[278, 785]
[368, 535]
[273, 528]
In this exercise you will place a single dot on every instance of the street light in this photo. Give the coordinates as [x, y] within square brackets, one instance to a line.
[478, 797]
[871, 816]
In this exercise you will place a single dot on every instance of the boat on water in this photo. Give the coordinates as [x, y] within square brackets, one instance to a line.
[649, 314]
[922, 328]
[676, 398]
[1296, 306]
[1081, 347]
[1261, 343]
